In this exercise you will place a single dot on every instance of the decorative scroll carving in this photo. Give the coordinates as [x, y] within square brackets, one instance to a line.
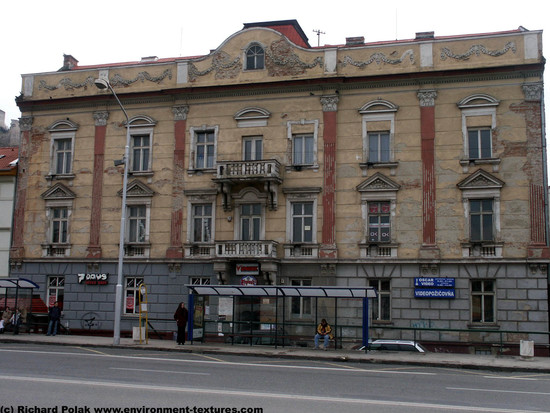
[282, 62]
[117, 80]
[180, 112]
[101, 118]
[221, 63]
[25, 123]
[330, 103]
[533, 92]
[478, 49]
[379, 58]
[427, 97]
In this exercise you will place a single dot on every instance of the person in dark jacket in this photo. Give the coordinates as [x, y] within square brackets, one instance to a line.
[181, 316]
[55, 316]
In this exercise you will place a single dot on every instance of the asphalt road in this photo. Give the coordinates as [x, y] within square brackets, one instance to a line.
[63, 379]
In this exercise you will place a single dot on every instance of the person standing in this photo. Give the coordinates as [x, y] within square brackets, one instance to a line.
[55, 316]
[181, 316]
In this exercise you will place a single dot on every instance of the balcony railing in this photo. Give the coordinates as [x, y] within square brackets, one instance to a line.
[269, 169]
[246, 249]
[482, 250]
[301, 251]
[199, 250]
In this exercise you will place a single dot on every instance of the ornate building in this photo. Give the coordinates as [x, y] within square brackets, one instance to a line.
[415, 166]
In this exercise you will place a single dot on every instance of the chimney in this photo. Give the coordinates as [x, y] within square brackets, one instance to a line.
[355, 41]
[149, 59]
[69, 62]
[424, 35]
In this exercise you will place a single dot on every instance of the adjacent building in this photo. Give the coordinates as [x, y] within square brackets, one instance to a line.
[415, 166]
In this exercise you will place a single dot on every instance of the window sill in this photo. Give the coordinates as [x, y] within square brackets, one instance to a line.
[56, 250]
[378, 250]
[482, 326]
[60, 177]
[466, 163]
[392, 166]
[301, 250]
[299, 168]
[482, 249]
[141, 173]
[199, 172]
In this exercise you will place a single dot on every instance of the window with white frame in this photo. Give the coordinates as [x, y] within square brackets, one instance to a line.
[200, 280]
[140, 152]
[302, 222]
[300, 307]
[59, 225]
[56, 290]
[252, 148]
[481, 202]
[483, 301]
[481, 220]
[381, 304]
[204, 147]
[62, 135]
[379, 228]
[303, 149]
[379, 147]
[479, 120]
[137, 223]
[132, 294]
[255, 57]
[58, 203]
[202, 223]
[251, 221]
[378, 123]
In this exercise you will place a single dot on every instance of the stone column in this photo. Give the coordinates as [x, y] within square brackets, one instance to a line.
[330, 110]
[175, 250]
[427, 132]
[94, 246]
[17, 250]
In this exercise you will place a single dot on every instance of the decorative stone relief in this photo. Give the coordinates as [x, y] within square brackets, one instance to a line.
[477, 49]
[533, 92]
[117, 80]
[25, 123]
[180, 112]
[101, 118]
[330, 103]
[379, 58]
[280, 61]
[222, 64]
[427, 97]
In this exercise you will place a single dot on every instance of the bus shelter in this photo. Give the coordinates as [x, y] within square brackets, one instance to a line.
[263, 310]
[16, 297]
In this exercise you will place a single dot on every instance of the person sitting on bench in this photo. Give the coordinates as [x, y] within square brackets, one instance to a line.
[324, 331]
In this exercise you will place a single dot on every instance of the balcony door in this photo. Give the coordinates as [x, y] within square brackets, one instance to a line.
[252, 148]
[251, 221]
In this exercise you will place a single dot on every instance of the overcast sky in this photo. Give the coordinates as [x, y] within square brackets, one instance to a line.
[36, 33]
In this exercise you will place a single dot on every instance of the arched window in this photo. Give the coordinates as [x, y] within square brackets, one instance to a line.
[255, 57]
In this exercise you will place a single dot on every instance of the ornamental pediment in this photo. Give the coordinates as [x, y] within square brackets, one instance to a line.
[58, 191]
[481, 180]
[137, 188]
[378, 182]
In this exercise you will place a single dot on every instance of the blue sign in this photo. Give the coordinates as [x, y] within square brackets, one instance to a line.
[440, 282]
[434, 293]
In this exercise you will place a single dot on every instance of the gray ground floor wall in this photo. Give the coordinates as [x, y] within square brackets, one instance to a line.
[520, 296]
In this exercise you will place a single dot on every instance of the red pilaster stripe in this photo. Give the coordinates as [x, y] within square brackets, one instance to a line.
[427, 119]
[329, 216]
[94, 248]
[536, 201]
[17, 248]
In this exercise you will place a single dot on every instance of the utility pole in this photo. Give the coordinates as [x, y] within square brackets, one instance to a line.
[319, 33]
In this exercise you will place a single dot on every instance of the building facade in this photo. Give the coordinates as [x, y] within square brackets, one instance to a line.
[415, 166]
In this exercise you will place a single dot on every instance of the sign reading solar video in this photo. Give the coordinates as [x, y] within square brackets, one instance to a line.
[434, 287]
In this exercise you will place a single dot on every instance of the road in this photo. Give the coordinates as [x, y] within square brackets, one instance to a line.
[64, 379]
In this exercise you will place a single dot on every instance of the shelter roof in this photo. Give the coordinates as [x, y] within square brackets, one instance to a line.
[17, 282]
[283, 291]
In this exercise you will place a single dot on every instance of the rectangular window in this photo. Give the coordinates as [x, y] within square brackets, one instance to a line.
[204, 150]
[302, 222]
[137, 223]
[483, 301]
[131, 293]
[202, 222]
[479, 143]
[379, 147]
[381, 304]
[302, 151]
[300, 306]
[200, 280]
[379, 222]
[63, 156]
[252, 148]
[56, 290]
[251, 219]
[141, 148]
[59, 225]
[481, 220]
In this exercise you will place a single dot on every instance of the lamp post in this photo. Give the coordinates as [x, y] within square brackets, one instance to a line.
[104, 84]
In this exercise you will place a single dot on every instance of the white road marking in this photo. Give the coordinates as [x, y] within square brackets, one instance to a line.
[159, 371]
[249, 394]
[499, 391]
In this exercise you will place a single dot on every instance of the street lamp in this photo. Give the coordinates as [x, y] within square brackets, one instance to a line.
[104, 84]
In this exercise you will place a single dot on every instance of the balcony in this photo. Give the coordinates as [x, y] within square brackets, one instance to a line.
[482, 250]
[246, 249]
[382, 250]
[230, 173]
[199, 250]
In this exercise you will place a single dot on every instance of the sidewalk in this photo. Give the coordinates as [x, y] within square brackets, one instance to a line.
[451, 360]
